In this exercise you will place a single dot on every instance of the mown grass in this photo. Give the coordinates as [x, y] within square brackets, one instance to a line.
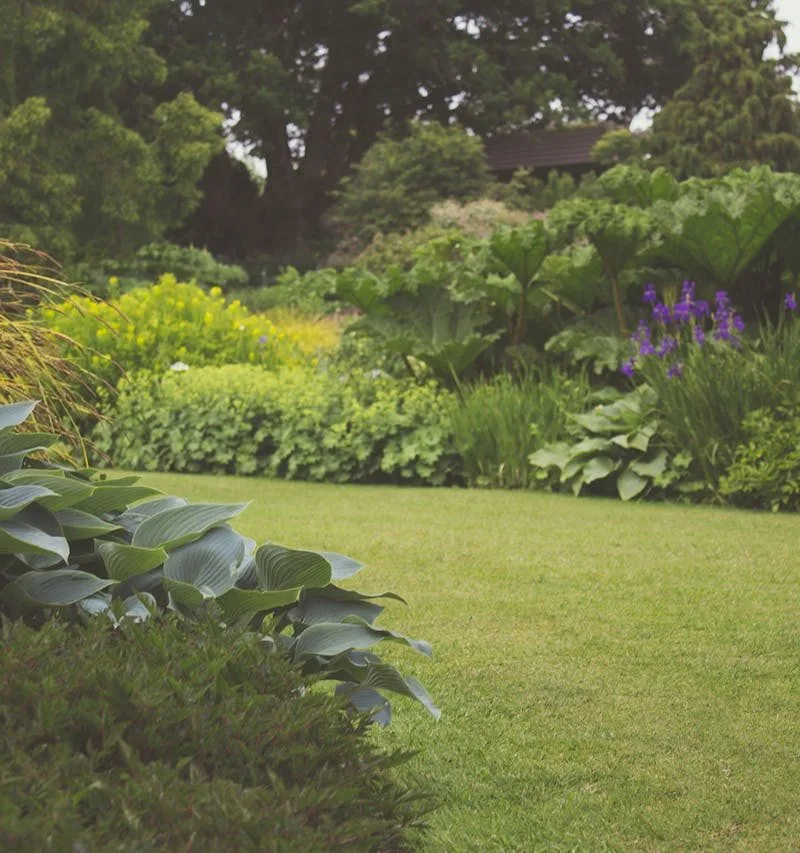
[612, 677]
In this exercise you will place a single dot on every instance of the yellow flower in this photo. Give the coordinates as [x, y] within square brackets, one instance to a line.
[216, 291]
[208, 318]
[113, 280]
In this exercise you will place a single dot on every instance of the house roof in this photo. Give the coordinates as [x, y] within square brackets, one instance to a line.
[543, 149]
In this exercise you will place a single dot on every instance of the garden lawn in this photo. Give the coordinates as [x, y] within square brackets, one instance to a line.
[611, 676]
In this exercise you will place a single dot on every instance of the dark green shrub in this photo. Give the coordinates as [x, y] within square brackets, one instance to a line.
[174, 735]
[295, 424]
[766, 468]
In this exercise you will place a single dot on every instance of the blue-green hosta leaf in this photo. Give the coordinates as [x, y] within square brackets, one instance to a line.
[138, 608]
[237, 603]
[335, 593]
[247, 576]
[551, 456]
[653, 465]
[366, 700]
[598, 468]
[67, 491]
[630, 484]
[126, 561]
[135, 515]
[13, 414]
[333, 638]
[12, 462]
[209, 564]
[33, 531]
[55, 588]
[383, 676]
[341, 567]
[24, 442]
[313, 608]
[18, 497]
[182, 524]
[185, 597]
[287, 568]
[79, 525]
[106, 498]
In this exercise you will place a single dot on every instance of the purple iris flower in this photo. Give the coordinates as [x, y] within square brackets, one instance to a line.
[699, 335]
[661, 313]
[701, 309]
[675, 371]
[650, 294]
[790, 302]
[668, 345]
[687, 291]
[738, 323]
[721, 298]
[628, 368]
[682, 312]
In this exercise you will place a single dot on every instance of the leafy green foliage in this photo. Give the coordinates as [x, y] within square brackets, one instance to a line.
[155, 327]
[173, 734]
[498, 424]
[397, 182]
[93, 164]
[617, 443]
[122, 551]
[150, 263]
[295, 424]
[765, 472]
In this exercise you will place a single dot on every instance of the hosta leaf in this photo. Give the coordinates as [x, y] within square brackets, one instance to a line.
[335, 593]
[56, 588]
[183, 524]
[237, 603]
[12, 462]
[383, 676]
[66, 490]
[652, 465]
[313, 609]
[331, 638]
[551, 456]
[589, 446]
[286, 568]
[24, 442]
[135, 515]
[210, 563]
[185, 595]
[630, 484]
[13, 414]
[79, 525]
[108, 498]
[341, 567]
[18, 497]
[366, 700]
[126, 561]
[33, 531]
[598, 468]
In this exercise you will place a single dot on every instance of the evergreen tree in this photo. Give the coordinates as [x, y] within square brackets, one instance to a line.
[737, 108]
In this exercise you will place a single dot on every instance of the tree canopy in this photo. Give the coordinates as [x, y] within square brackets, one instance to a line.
[90, 163]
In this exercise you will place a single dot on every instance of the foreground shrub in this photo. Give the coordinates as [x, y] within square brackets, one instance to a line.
[295, 424]
[72, 539]
[154, 327]
[174, 736]
[497, 425]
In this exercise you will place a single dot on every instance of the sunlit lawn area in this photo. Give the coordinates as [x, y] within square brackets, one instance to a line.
[612, 677]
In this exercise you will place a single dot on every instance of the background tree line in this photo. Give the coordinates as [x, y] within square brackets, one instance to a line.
[114, 116]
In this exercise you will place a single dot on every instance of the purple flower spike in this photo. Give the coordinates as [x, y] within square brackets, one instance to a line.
[687, 291]
[721, 297]
[738, 323]
[650, 294]
[661, 313]
[628, 368]
[668, 345]
[790, 302]
[699, 335]
[701, 309]
[646, 348]
[675, 371]
[682, 312]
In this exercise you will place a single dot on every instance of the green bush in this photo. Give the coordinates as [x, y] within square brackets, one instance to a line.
[311, 292]
[155, 327]
[766, 468]
[294, 424]
[176, 735]
[498, 424]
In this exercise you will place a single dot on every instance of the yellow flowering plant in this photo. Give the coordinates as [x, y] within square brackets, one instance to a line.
[170, 323]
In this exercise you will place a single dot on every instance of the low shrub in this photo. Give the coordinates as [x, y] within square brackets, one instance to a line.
[765, 472]
[154, 327]
[306, 293]
[176, 735]
[498, 424]
[315, 335]
[294, 424]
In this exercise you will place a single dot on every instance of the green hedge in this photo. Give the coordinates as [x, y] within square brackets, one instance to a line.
[175, 736]
[297, 424]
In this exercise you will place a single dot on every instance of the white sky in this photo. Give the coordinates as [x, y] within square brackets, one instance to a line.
[789, 10]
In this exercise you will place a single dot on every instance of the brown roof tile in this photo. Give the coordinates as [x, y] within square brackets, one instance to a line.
[542, 149]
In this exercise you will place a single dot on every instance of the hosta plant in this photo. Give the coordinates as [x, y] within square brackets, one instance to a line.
[74, 539]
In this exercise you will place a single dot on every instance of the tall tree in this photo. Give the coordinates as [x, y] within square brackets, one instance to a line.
[309, 84]
[90, 163]
[737, 108]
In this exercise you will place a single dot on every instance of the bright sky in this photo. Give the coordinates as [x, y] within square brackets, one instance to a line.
[789, 10]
